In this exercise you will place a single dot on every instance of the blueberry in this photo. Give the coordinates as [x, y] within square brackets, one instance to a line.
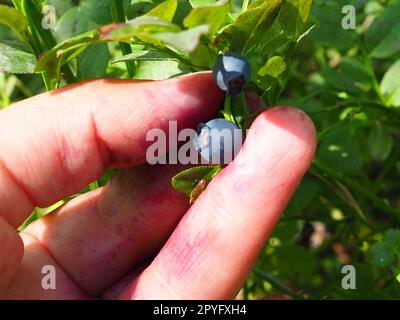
[218, 141]
[232, 73]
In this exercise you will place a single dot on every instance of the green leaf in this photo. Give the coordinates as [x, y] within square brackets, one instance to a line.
[382, 26]
[98, 10]
[137, 8]
[292, 259]
[329, 31]
[291, 24]
[274, 67]
[15, 20]
[182, 11]
[390, 85]
[187, 180]
[380, 255]
[339, 149]
[392, 237]
[389, 45]
[62, 5]
[201, 3]
[146, 55]
[349, 76]
[203, 56]
[141, 26]
[93, 62]
[74, 22]
[159, 70]
[165, 10]
[33, 11]
[15, 57]
[294, 16]
[303, 196]
[287, 231]
[52, 61]
[213, 15]
[252, 23]
[380, 142]
[185, 41]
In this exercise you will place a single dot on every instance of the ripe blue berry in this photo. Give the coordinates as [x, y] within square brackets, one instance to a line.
[218, 141]
[232, 73]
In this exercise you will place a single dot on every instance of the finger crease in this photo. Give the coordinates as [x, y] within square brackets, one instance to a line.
[48, 252]
[20, 186]
[102, 149]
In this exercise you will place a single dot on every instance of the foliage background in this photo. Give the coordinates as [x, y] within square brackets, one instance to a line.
[347, 207]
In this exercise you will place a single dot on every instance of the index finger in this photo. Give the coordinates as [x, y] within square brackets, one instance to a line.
[54, 144]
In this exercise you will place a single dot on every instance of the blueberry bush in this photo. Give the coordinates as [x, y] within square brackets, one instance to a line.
[338, 60]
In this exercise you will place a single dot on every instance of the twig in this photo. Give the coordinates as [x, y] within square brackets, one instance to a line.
[367, 193]
[118, 15]
[277, 284]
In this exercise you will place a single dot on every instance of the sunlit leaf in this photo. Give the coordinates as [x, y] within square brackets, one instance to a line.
[256, 20]
[165, 10]
[390, 84]
[274, 67]
[16, 58]
[15, 20]
[187, 180]
[213, 15]
[380, 255]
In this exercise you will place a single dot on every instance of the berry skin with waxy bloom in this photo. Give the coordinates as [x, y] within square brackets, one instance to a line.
[218, 141]
[232, 73]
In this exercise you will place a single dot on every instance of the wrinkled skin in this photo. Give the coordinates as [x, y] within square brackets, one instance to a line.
[137, 238]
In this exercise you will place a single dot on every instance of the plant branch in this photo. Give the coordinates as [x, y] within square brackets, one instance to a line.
[364, 191]
[118, 15]
[388, 166]
[277, 284]
[41, 39]
[370, 68]
[245, 5]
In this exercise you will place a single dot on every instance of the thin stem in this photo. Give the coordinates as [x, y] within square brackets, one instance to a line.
[277, 283]
[370, 68]
[34, 40]
[179, 57]
[118, 15]
[281, 87]
[41, 39]
[245, 5]
[388, 166]
[362, 190]
[245, 108]
[38, 50]
[364, 104]
[228, 109]
[345, 194]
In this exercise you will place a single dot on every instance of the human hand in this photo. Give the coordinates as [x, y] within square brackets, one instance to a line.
[137, 238]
